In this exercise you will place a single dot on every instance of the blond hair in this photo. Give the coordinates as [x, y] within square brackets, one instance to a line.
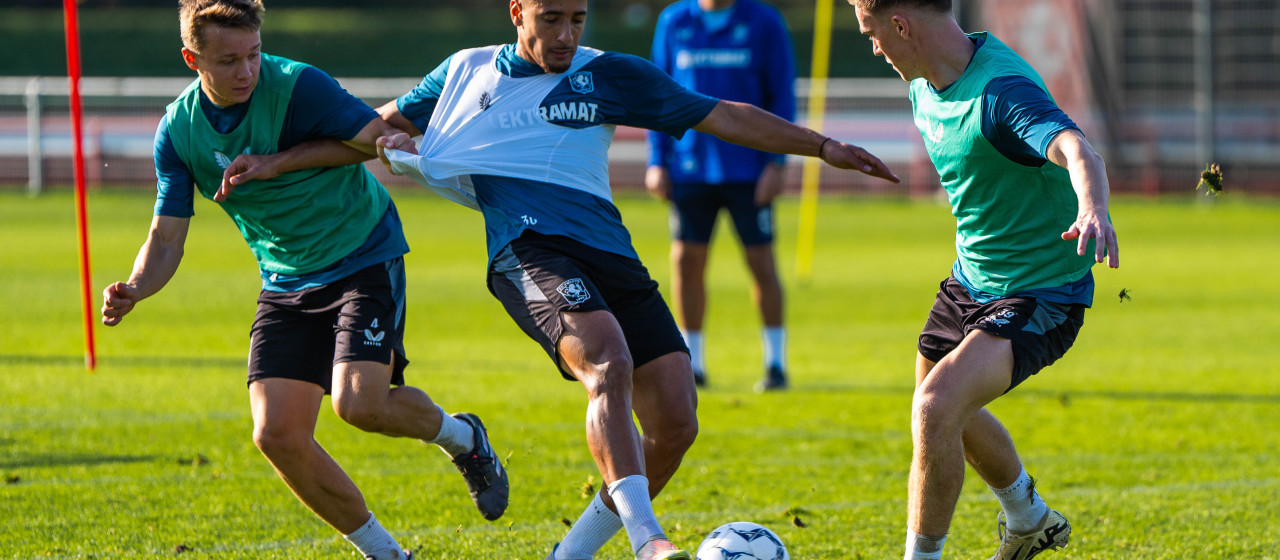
[194, 15]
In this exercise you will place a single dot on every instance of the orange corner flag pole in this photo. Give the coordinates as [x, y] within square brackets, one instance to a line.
[82, 215]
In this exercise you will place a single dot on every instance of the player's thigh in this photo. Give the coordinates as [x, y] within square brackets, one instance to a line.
[760, 261]
[291, 340]
[694, 207]
[754, 224]
[1039, 331]
[593, 346]
[645, 318]
[664, 394]
[368, 331]
[539, 279]
[972, 375]
[284, 407]
[944, 327]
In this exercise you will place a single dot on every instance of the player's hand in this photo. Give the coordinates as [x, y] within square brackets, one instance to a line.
[657, 180]
[769, 186]
[399, 141]
[118, 300]
[243, 169]
[1095, 226]
[848, 156]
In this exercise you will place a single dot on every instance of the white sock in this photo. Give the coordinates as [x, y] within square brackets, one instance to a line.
[631, 495]
[775, 347]
[456, 436]
[375, 542]
[1023, 508]
[923, 547]
[697, 350]
[590, 532]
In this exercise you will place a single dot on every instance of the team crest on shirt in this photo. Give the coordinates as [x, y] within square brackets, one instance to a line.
[581, 82]
[574, 291]
[485, 100]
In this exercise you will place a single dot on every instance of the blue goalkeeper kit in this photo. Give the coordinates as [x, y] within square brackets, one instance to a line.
[741, 53]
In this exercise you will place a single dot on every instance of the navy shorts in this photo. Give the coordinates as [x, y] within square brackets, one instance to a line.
[537, 276]
[694, 207]
[1041, 331]
[302, 334]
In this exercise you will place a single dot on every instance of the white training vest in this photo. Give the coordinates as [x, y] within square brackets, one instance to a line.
[487, 123]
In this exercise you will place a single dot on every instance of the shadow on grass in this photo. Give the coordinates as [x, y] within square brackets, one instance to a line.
[1145, 396]
[127, 361]
[71, 460]
[1155, 396]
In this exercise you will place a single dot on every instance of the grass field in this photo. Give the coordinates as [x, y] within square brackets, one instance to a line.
[1158, 434]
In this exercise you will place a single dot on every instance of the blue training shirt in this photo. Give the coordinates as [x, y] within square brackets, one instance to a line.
[740, 53]
[627, 90]
[319, 108]
[1020, 120]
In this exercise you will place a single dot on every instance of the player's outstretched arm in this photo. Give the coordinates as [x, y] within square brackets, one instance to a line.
[753, 127]
[1070, 150]
[156, 263]
[321, 152]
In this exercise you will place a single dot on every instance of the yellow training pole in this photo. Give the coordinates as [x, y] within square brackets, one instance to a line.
[816, 115]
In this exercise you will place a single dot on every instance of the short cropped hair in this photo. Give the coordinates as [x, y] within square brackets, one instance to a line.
[874, 6]
[194, 15]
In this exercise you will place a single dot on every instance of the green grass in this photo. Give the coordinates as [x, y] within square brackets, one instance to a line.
[1157, 434]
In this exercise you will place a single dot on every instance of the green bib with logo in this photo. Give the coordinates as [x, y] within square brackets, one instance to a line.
[300, 222]
[1009, 217]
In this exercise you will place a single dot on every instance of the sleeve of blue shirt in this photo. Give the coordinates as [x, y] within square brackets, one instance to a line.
[651, 99]
[175, 185]
[320, 108]
[780, 73]
[1020, 119]
[420, 102]
[660, 54]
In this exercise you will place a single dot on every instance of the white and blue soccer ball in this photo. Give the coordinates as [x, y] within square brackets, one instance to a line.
[742, 540]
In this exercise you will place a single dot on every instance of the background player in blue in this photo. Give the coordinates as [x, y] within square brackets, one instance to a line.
[1029, 195]
[521, 133]
[329, 245]
[737, 50]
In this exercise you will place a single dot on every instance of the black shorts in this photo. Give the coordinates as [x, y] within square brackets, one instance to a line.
[694, 207]
[1041, 331]
[301, 335]
[538, 276]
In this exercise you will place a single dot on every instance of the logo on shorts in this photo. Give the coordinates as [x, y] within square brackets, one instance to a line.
[371, 339]
[1001, 317]
[581, 82]
[574, 291]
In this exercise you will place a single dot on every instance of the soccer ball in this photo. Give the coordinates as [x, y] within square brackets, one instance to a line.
[742, 540]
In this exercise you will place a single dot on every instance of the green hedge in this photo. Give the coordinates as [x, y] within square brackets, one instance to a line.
[352, 42]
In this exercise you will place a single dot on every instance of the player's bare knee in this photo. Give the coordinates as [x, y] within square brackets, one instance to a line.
[933, 414]
[360, 413]
[607, 378]
[680, 433]
[280, 444]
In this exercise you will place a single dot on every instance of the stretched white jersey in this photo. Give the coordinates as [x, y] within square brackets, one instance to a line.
[482, 113]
